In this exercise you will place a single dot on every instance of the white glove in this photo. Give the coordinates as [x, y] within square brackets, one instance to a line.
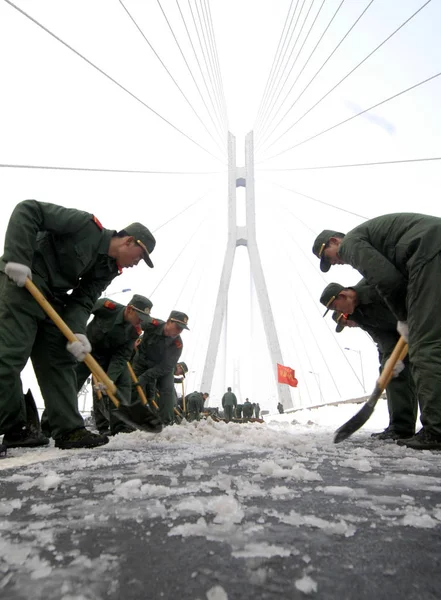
[18, 273]
[100, 387]
[403, 330]
[399, 366]
[80, 348]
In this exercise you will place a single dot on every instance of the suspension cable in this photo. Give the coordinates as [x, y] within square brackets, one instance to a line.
[111, 79]
[168, 72]
[183, 211]
[323, 64]
[175, 260]
[269, 119]
[263, 100]
[362, 112]
[210, 28]
[292, 67]
[350, 72]
[219, 125]
[367, 164]
[189, 70]
[204, 56]
[93, 170]
[280, 61]
[319, 201]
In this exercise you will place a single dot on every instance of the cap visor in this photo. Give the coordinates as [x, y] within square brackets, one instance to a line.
[145, 318]
[326, 311]
[180, 323]
[324, 265]
[148, 260]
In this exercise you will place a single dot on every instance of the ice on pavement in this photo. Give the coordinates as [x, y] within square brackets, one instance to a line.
[46, 494]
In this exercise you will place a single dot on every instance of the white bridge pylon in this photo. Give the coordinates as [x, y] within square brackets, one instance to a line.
[243, 236]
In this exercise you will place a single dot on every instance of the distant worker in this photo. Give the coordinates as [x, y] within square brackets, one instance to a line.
[229, 403]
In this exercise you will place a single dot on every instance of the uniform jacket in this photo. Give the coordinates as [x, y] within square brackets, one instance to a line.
[156, 356]
[67, 248]
[375, 317]
[388, 249]
[112, 337]
[195, 402]
[229, 399]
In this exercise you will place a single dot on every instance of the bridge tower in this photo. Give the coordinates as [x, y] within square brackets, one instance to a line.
[243, 236]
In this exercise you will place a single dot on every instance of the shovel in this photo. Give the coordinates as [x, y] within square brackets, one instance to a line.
[134, 414]
[359, 419]
[103, 405]
[138, 386]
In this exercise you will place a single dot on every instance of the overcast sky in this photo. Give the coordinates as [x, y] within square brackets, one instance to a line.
[58, 110]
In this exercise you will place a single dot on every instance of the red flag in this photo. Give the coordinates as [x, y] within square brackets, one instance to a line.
[286, 375]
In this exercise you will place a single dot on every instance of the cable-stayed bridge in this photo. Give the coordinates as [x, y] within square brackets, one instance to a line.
[128, 110]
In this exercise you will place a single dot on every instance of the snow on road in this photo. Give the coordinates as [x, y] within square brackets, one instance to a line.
[232, 484]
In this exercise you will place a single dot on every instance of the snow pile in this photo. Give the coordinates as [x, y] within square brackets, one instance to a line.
[263, 492]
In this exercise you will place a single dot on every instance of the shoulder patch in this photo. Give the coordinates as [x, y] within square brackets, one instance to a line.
[97, 222]
[109, 304]
[154, 322]
[178, 343]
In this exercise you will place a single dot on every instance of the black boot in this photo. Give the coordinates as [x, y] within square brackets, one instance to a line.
[24, 437]
[423, 440]
[390, 434]
[80, 438]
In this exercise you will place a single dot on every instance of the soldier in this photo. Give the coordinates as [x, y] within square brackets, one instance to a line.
[229, 403]
[280, 408]
[343, 320]
[156, 358]
[63, 250]
[400, 254]
[247, 409]
[257, 410]
[113, 333]
[364, 306]
[238, 411]
[180, 371]
[195, 405]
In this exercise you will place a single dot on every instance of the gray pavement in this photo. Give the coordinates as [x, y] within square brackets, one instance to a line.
[173, 519]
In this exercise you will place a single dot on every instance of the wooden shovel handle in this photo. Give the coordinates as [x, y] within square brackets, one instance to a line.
[399, 353]
[94, 367]
[98, 392]
[137, 384]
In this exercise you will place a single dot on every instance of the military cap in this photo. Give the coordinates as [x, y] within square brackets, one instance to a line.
[339, 319]
[320, 244]
[142, 305]
[144, 238]
[179, 317]
[183, 366]
[329, 294]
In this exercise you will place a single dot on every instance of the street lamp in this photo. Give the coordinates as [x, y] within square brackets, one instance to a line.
[361, 365]
[317, 376]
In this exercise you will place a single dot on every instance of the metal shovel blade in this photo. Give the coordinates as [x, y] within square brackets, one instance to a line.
[359, 419]
[139, 416]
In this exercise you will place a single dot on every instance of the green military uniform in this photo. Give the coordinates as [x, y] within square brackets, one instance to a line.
[229, 403]
[154, 365]
[247, 409]
[112, 339]
[195, 405]
[400, 254]
[66, 249]
[239, 411]
[374, 316]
